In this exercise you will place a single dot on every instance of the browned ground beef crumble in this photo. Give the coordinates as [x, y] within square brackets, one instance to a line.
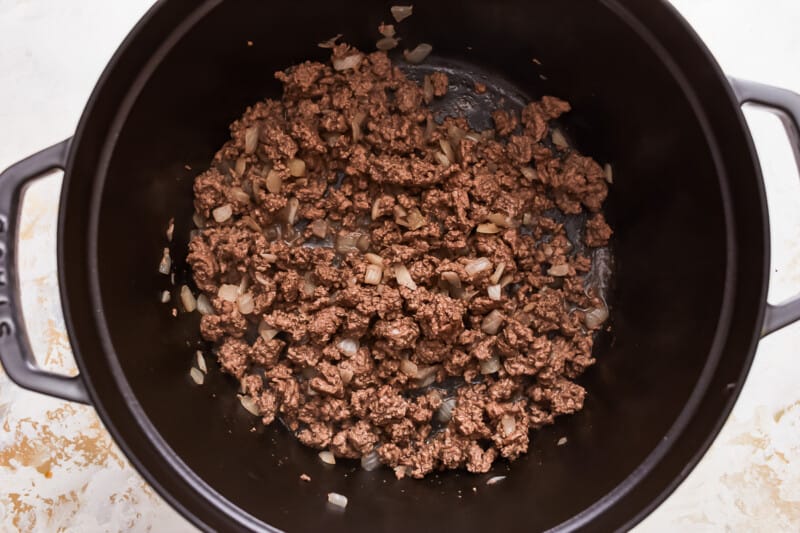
[390, 264]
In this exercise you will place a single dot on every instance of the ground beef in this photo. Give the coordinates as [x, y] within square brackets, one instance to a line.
[389, 266]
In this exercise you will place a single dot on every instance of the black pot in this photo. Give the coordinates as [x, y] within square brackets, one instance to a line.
[691, 250]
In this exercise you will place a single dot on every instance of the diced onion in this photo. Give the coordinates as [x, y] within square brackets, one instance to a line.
[418, 54]
[269, 258]
[165, 297]
[374, 259]
[274, 181]
[346, 242]
[445, 412]
[509, 424]
[319, 228]
[478, 265]
[245, 303]
[327, 457]
[251, 139]
[370, 461]
[452, 279]
[201, 362]
[238, 194]
[442, 159]
[487, 228]
[387, 43]
[348, 62]
[447, 149]
[400, 13]
[494, 480]
[529, 173]
[562, 441]
[609, 172]
[596, 317]
[337, 499]
[494, 292]
[241, 166]
[170, 229]
[498, 273]
[427, 93]
[187, 299]
[166, 262]
[199, 220]
[559, 270]
[204, 306]
[297, 167]
[346, 374]
[290, 211]
[197, 376]
[373, 274]
[227, 292]
[403, 277]
[501, 219]
[267, 333]
[387, 30]
[249, 405]
[415, 219]
[559, 140]
[490, 366]
[408, 368]
[491, 323]
[330, 43]
[222, 213]
[348, 346]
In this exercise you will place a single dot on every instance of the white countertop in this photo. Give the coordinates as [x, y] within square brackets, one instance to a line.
[59, 469]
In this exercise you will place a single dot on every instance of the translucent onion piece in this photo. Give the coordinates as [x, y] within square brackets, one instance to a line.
[249, 405]
[327, 457]
[452, 279]
[297, 167]
[267, 333]
[222, 213]
[559, 140]
[442, 159]
[509, 424]
[596, 317]
[373, 274]
[170, 229]
[337, 499]
[290, 213]
[494, 480]
[447, 149]
[609, 172]
[229, 293]
[199, 220]
[559, 270]
[348, 62]
[386, 44]
[370, 461]
[251, 139]
[274, 181]
[418, 54]
[346, 374]
[501, 219]
[427, 93]
[165, 297]
[487, 228]
[204, 306]
[495, 292]
[319, 228]
[201, 362]
[166, 262]
[445, 412]
[491, 323]
[197, 376]
[529, 173]
[348, 346]
[478, 265]
[403, 277]
[498, 273]
[387, 30]
[238, 194]
[330, 43]
[562, 441]
[400, 13]
[245, 303]
[490, 366]
[408, 368]
[187, 299]
[374, 259]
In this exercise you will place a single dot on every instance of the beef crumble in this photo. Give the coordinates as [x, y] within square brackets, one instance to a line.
[410, 294]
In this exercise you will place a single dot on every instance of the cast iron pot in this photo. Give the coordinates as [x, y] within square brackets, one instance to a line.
[691, 250]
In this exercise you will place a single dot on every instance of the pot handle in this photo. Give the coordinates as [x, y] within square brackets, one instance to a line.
[786, 105]
[15, 350]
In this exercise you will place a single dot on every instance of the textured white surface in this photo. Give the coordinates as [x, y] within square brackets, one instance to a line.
[59, 469]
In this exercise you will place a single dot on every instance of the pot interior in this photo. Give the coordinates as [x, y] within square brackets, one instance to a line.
[669, 248]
